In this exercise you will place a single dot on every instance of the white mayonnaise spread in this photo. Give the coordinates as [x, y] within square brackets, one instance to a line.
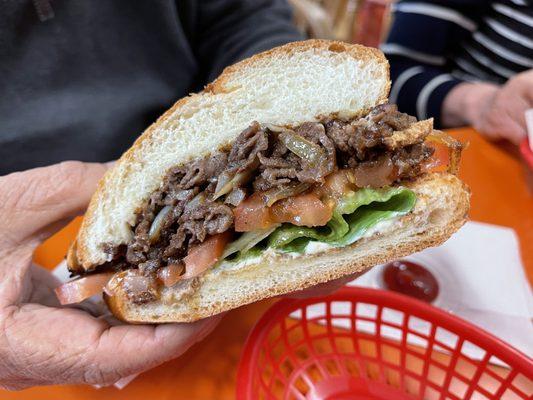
[312, 247]
[380, 227]
[316, 247]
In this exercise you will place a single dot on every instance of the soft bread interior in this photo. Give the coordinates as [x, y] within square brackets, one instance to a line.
[441, 208]
[288, 85]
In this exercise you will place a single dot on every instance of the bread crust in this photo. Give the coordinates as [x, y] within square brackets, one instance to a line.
[79, 257]
[382, 249]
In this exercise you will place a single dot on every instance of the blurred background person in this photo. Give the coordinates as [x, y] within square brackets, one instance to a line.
[80, 79]
[464, 62]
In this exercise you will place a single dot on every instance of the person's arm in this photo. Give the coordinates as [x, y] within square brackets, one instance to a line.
[498, 112]
[419, 43]
[42, 343]
[223, 32]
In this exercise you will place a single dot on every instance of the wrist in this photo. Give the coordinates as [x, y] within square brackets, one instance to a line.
[464, 103]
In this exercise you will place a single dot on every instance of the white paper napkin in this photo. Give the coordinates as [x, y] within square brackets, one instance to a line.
[481, 279]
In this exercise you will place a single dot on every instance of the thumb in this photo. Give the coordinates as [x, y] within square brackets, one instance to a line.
[125, 350]
[35, 201]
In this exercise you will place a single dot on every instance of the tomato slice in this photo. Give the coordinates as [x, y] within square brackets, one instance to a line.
[205, 255]
[252, 214]
[302, 210]
[336, 184]
[82, 288]
[377, 174]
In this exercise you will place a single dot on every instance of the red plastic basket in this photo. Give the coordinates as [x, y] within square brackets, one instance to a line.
[311, 358]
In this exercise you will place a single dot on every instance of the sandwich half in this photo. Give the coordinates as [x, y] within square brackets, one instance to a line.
[289, 170]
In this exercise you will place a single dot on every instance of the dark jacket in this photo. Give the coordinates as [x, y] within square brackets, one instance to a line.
[85, 79]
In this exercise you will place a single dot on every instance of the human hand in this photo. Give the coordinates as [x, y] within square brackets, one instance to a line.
[42, 343]
[495, 111]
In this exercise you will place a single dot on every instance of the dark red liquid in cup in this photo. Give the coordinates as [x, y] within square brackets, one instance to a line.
[411, 279]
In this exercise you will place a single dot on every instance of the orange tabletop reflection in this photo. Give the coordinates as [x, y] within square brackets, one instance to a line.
[500, 196]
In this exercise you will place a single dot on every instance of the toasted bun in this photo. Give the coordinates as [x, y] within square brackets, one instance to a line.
[289, 85]
[441, 208]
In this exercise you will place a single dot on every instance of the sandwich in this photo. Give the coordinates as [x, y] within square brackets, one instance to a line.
[289, 170]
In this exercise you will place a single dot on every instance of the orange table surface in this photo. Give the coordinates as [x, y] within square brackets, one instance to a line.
[500, 196]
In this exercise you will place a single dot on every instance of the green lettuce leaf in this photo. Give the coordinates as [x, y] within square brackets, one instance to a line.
[353, 216]
[357, 212]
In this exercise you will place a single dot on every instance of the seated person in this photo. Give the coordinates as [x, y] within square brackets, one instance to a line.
[464, 63]
[80, 81]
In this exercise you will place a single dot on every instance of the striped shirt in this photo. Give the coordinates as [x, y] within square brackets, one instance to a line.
[435, 45]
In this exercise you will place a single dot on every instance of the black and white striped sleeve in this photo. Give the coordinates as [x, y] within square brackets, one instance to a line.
[421, 38]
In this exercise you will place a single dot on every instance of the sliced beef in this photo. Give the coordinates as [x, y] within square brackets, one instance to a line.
[202, 171]
[281, 167]
[199, 220]
[276, 169]
[388, 117]
[359, 140]
[247, 147]
[410, 160]
[316, 133]
[175, 197]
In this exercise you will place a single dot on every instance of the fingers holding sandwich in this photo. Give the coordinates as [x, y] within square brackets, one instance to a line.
[40, 344]
[37, 202]
[131, 349]
[75, 347]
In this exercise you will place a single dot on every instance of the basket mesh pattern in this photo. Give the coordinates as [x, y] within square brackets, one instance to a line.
[308, 349]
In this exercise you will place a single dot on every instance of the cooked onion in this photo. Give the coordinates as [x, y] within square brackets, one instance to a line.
[226, 183]
[155, 229]
[282, 192]
[82, 288]
[133, 282]
[303, 148]
[197, 200]
[248, 240]
[170, 274]
[235, 197]
[455, 146]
